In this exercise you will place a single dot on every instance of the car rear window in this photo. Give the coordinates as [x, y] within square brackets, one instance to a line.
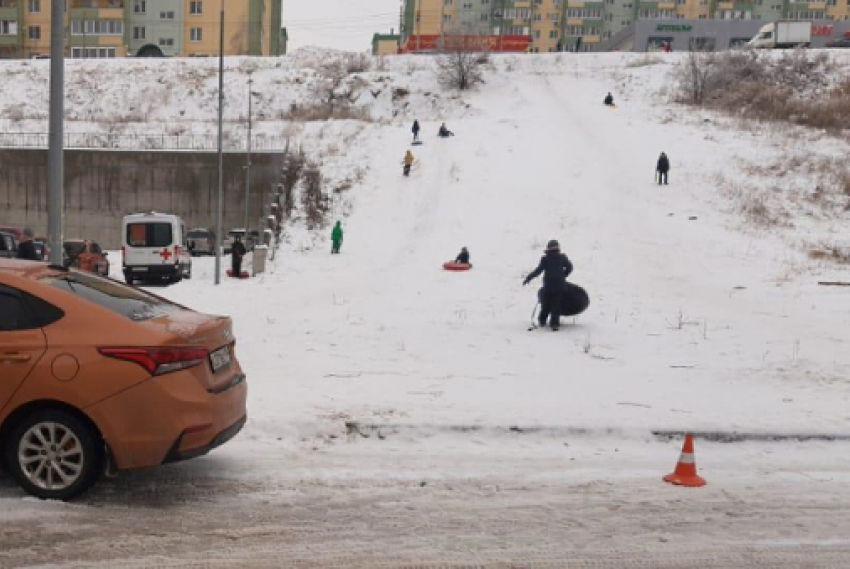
[132, 303]
[149, 234]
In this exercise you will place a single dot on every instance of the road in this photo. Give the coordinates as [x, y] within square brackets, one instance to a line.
[368, 503]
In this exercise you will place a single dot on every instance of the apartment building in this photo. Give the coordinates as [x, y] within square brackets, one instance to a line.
[140, 28]
[586, 25]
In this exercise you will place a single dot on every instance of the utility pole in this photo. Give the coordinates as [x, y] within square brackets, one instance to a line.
[418, 5]
[55, 152]
[442, 24]
[248, 159]
[219, 207]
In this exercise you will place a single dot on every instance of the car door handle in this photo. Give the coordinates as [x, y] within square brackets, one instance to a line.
[15, 358]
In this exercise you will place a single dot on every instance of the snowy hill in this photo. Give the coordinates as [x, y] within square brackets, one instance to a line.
[701, 318]
[402, 415]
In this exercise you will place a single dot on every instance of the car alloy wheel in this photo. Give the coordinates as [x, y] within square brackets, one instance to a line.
[51, 456]
[54, 455]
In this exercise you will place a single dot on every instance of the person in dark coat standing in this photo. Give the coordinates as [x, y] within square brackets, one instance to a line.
[609, 100]
[237, 251]
[26, 248]
[415, 130]
[463, 256]
[555, 267]
[662, 168]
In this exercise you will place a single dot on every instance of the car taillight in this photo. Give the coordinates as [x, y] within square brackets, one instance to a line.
[123, 255]
[176, 255]
[158, 361]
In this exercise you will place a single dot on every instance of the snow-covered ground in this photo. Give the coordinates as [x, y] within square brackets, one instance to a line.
[374, 375]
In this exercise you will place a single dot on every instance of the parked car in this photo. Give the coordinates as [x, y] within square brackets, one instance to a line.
[86, 256]
[201, 241]
[154, 248]
[8, 245]
[13, 230]
[100, 375]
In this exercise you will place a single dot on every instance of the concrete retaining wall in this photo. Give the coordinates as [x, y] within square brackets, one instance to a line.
[102, 186]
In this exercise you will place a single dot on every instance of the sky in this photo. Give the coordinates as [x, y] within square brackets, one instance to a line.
[341, 24]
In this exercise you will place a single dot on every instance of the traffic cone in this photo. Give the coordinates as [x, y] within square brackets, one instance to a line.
[686, 469]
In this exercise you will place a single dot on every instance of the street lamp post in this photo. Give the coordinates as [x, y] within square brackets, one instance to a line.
[219, 208]
[248, 158]
[55, 152]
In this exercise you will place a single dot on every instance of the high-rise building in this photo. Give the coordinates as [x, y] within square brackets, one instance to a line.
[584, 25]
[119, 28]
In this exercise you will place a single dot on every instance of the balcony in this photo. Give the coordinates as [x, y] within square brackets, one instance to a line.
[96, 4]
[575, 4]
[817, 6]
[725, 5]
[666, 5]
[575, 21]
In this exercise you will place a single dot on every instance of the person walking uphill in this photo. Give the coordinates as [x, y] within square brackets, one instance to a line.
[415, 130]
[408, 162]
[237, 251]
[26, 248]
[555, 267]
[336, 238]
[662, 168]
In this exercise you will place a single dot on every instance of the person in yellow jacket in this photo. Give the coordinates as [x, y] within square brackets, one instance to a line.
[408, 162]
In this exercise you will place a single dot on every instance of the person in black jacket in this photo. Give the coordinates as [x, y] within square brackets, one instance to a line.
[463, 256]
[609, 100]
[556, 267]
[237, 251]
[662, 168]
[26, 248]
[415, 130]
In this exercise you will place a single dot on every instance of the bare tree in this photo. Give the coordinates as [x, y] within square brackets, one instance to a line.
[695, 75]
[293, 167]
[459, 63]
[313, 198]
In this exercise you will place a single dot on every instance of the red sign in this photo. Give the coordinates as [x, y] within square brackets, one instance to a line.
[822, 30]
[496, 44]
[165, 254]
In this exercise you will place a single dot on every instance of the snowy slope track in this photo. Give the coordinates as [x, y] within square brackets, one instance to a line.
[699, 322]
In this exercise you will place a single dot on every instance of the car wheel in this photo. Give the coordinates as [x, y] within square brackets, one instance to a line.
[54, 455]
[188, 273]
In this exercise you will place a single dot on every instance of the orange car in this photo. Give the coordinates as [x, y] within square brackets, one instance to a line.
[96, 375]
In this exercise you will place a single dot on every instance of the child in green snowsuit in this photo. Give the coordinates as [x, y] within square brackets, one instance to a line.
[336, 238]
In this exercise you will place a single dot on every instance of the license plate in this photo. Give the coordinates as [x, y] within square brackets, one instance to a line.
[220, 359]
[140, 269]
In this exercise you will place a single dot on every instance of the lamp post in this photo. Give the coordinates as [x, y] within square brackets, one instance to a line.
[55, 152]
[219, 208]
[248, 158]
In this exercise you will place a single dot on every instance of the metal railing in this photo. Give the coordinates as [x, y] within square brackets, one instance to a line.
[170, 142]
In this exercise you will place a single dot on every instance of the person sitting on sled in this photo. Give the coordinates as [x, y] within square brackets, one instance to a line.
[555, 267]
[463, 256]
[609, 100]
[444, 132]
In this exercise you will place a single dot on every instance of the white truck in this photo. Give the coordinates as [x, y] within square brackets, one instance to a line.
[782, 34]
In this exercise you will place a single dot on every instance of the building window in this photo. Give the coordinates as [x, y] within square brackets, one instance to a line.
[34, 6]
[138, 32]
[140, 6]
[166, 15]
[34, 32]
[92, 52]
[167, 42]
[8, 27]
[97, 28]
[196, 8]
[196, 34]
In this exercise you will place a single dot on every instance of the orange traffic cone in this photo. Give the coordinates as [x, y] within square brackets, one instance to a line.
[686, 469]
